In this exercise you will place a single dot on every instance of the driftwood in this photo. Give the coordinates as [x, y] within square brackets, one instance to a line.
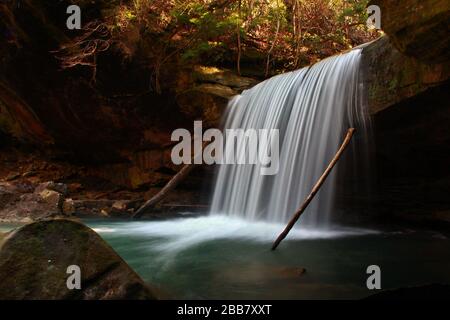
[315, 189]
[176, 179]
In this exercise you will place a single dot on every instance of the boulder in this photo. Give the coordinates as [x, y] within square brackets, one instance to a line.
[69, 206]
[35, 258]
[23, 202]
[51, 199]
[50, 185]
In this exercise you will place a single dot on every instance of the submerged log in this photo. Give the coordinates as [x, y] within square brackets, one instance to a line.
[315, 189]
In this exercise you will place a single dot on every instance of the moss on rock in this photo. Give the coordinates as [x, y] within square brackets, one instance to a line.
[391, 76]
[418, 28]
[34, 261]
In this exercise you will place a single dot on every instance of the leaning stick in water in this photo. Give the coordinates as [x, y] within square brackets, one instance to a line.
[176, 179]
[316, 188]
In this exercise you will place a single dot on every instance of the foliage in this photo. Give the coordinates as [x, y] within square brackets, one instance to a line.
[282, 34]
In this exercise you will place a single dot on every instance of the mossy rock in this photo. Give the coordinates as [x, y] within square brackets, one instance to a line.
[418, 28]
[392, 77]
[34, 261]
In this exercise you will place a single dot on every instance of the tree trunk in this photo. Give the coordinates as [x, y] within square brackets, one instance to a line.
[238, 30]
[274, 41]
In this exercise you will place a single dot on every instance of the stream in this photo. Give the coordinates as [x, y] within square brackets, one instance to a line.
[218, 257]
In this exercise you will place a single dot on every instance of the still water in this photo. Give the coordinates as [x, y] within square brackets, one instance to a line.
[218, 257]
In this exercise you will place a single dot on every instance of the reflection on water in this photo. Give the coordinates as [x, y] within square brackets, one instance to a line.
[220, 257]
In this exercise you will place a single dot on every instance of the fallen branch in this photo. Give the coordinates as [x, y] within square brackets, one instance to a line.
[315, 189]
[176, 179]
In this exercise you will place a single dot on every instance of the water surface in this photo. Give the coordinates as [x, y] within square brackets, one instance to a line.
[218, 257]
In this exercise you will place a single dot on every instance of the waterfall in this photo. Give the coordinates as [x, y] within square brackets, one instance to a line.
[312, 108]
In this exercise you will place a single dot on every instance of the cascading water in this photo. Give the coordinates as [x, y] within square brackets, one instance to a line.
[311, 107]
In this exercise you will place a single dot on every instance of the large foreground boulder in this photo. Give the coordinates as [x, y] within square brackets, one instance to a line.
[34, 262]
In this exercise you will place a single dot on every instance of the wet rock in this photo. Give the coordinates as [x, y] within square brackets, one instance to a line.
[54, 200]
[34, 261]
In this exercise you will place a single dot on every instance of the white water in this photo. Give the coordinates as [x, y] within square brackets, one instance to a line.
[180, 234]
[312, 107]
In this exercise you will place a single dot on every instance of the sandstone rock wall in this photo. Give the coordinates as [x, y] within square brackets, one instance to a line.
[418, 28]
[118, 125]
[391, 76]
[413, 57]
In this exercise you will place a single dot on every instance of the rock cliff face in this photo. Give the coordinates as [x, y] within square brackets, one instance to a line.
[392, 76]
[115, 132]
[118, 125]
[413, 57]
[418, 28]
[412, 153]
[408, 77]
